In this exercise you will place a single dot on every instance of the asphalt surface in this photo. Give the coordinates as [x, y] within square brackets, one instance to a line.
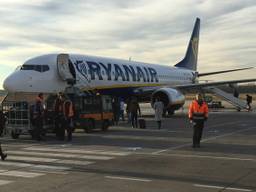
[145, 160]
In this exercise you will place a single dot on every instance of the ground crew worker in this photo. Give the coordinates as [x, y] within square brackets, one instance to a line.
[38, 118]
[68, 112]
[198, 114]
[134, 110]
[159, 108]
[59, 117]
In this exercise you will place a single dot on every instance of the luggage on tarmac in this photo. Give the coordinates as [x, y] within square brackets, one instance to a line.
[142, 123]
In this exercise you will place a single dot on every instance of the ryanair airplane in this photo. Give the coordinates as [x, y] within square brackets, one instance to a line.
[123, 78]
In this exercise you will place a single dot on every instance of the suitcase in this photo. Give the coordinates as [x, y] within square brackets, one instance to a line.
[142, 123]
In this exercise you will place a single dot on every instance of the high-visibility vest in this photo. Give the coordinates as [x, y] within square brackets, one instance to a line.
[197, 112]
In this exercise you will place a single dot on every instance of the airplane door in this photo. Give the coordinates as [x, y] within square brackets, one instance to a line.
[64, 67]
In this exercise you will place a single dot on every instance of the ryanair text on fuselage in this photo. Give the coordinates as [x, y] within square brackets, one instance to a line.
[115, 72]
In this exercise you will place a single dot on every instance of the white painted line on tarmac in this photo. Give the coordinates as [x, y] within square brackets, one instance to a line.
[51, 172]
[74, 162]
[204, 140]
[35, 166]
[50, 167]
[61, 155]
[220, 187]
[21, 174]
[34, 159]
[16, 164]
[128, 178]
[4, 182]
[94, 157]
[30, 153]
[78, 151]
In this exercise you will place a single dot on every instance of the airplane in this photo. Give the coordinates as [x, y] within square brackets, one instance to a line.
[51, 73]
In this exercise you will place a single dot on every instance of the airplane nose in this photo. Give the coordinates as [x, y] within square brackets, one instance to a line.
[10, 84]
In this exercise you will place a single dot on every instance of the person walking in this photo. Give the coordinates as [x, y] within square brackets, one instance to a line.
[38, 117]
[68, 112]
[128, 110]
[59, 117]
[122, 109]
[159, 108]
[249, 101]
[2, 154]
[2, 122]
[134, 110]
[116, 109]
[198, 114]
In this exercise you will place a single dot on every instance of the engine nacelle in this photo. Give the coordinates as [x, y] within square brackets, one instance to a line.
[172, 98]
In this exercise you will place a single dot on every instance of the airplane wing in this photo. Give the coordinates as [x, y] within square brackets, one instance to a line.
[210, 84]
[187, 87]
[226, 71]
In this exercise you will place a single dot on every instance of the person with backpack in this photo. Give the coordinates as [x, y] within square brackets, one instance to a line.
[134, 110]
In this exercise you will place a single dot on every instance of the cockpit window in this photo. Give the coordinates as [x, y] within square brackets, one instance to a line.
[39, 68]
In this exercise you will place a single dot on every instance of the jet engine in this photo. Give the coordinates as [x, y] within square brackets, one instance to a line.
[173, 99]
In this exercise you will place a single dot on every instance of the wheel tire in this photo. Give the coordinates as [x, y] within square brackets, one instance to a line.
[15, 135]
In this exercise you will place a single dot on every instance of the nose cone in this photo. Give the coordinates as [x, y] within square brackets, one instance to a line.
[9, 84]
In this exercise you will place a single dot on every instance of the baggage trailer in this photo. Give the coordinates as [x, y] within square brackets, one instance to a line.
[19, 119]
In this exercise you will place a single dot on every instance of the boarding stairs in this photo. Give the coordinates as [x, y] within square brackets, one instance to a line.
[238, 103]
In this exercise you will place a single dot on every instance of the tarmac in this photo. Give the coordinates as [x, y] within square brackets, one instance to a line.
[145, 160]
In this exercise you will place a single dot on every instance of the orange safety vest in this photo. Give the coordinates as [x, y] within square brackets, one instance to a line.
[197, 112]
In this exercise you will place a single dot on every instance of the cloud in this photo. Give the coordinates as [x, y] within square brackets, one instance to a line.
[146, 30]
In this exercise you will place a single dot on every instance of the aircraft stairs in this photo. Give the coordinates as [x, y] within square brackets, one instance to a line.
[238, 103]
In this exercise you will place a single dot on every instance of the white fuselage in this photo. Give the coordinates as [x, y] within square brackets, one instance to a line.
[40, 74]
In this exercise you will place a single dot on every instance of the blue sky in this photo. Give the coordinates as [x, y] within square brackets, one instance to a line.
[145, 30]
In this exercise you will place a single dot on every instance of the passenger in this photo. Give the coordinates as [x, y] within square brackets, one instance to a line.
[59, 117]
[128, 111]
[159, 108]
[135, 110]
[249, 101]
[68, 112]
[38, 116]
[198, 114]
[2, 122]
[122, 109]
[116, 109]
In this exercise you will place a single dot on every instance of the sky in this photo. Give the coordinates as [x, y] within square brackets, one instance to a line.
[143, 30]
